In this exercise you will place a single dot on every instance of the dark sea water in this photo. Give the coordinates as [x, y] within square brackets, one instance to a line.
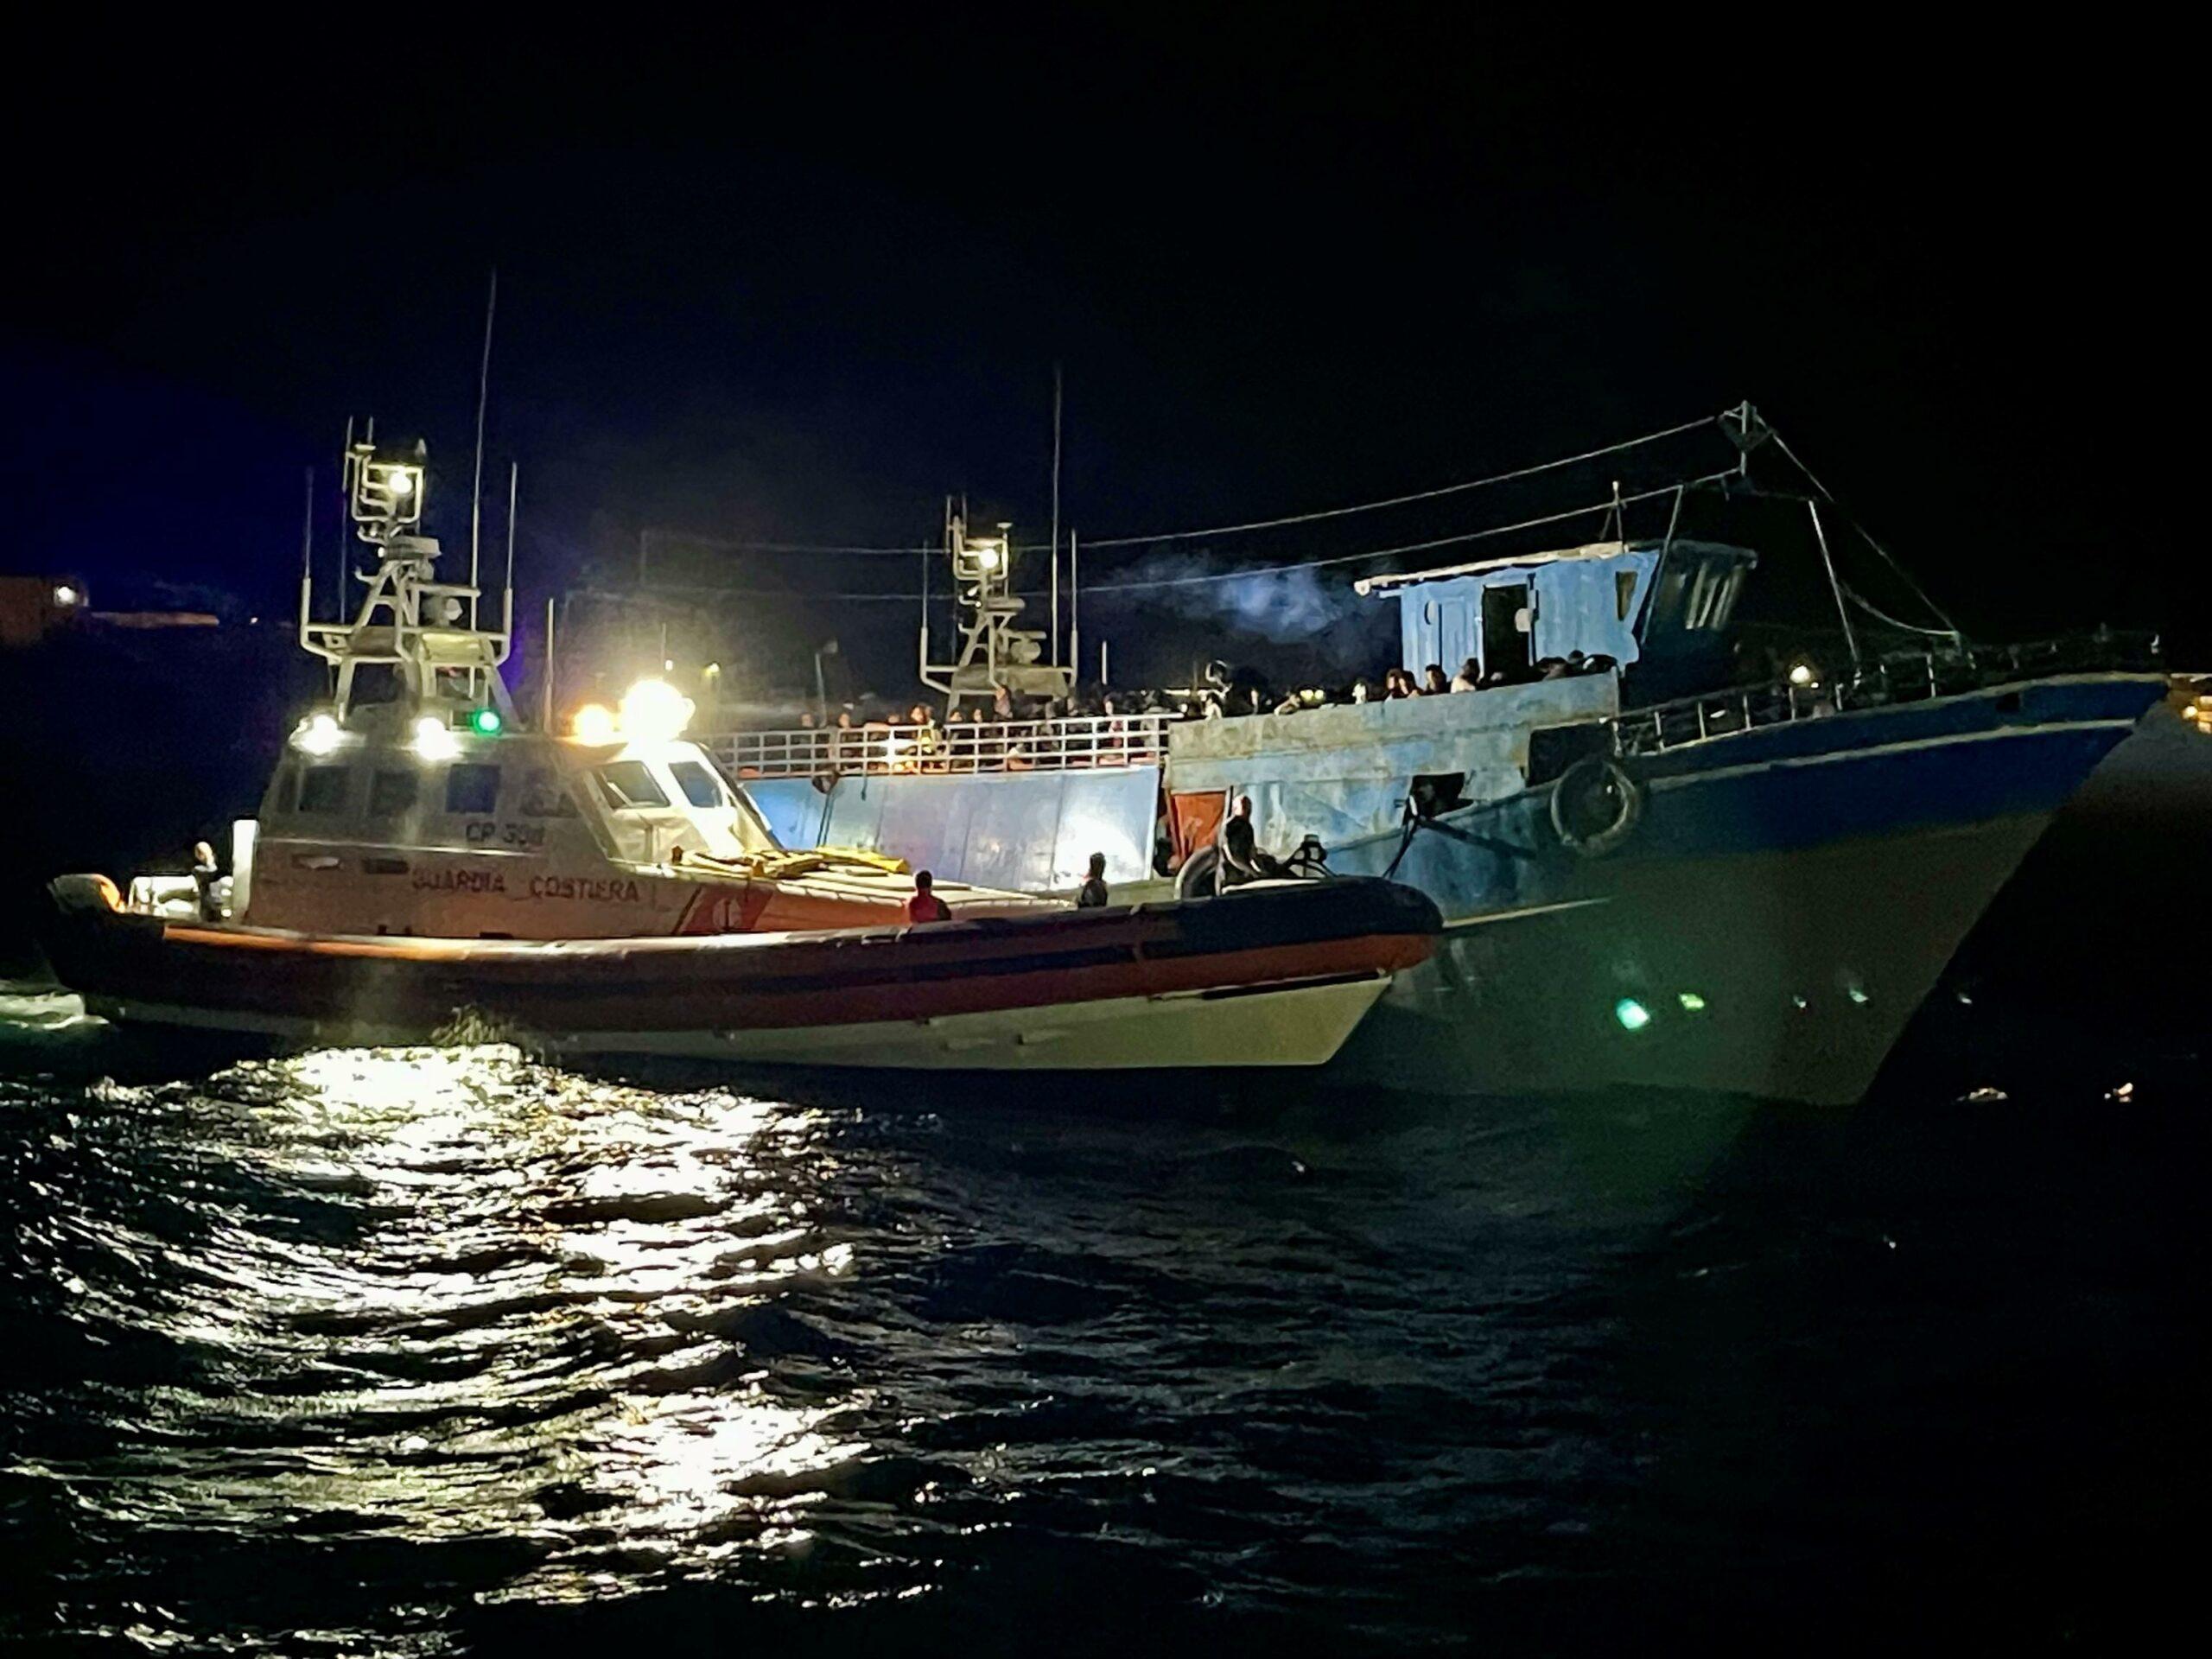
[445, 1351]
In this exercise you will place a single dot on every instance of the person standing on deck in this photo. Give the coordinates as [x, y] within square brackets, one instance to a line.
[1094, 895]
[1240, 851]
[925, 905]
[204, 877]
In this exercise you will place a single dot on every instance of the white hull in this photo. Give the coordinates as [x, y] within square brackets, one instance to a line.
[1294, 1025]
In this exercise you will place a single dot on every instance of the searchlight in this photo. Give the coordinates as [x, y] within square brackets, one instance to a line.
[317, 735]
[434, 740]
[594, 723]
[653, 711]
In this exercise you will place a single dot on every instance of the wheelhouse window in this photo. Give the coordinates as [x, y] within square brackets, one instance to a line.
[544, 796]
[700, 786]
[390, 792]
[322, 789]
[472, 790]
[631, 783]
[1713, 596]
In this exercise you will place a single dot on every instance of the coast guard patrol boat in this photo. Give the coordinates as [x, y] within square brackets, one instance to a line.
[417, 856]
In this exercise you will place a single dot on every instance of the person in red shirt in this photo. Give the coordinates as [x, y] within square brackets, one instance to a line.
[925, 905]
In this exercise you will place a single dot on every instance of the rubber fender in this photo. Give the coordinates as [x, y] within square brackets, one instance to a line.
[1596, 805]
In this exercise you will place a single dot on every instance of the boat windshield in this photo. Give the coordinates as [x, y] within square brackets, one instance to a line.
[630, 783]
[700, 786]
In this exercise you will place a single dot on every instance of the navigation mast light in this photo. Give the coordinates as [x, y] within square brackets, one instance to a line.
[317, 735]
[594, 723]
[434, 739]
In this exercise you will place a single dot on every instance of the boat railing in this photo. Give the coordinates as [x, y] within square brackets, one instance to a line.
[1894, 677]
[957, 747]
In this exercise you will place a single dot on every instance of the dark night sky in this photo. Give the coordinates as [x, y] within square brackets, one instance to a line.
[795, 283]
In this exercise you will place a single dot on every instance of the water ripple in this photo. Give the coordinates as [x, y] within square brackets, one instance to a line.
[428, 1349]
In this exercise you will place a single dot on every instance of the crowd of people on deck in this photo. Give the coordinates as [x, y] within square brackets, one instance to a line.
[1096, 726]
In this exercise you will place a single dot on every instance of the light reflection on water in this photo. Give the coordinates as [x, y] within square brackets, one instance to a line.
[439, 1349]
[431, 1293]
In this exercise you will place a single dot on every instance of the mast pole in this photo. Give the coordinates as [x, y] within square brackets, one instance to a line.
[306, 559]
[1075, 601]
[507, 602]
[545, 691]
[1056, 526]
[1835, 586]
[476, 491]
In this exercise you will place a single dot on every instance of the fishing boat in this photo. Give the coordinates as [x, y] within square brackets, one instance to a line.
[1654, 869]
[420, 860]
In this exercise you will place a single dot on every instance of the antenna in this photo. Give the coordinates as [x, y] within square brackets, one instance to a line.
[307, 553]
[507, 604]
[1055, 513]
[476, 492]
[345, 507]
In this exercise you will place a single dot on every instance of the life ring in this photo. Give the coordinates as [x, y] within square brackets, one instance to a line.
[1596, 805]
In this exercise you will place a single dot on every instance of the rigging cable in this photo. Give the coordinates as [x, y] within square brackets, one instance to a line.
[721, 544]
[1402, 500]
[1257, 572]
[1949, 627]
[1606, 507]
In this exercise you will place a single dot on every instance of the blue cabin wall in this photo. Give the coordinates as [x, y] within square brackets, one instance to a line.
[1027, 831]
[1576, 604]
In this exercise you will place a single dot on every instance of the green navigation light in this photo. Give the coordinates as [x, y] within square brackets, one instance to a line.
[484, 722]
[1633, 1014]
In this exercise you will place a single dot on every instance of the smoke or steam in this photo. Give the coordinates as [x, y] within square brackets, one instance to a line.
[1281, 606]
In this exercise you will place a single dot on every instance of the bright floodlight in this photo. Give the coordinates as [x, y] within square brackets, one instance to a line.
[434, 740]
[401, 480]
[319, 736]
[986, 554]
[594, 723]
[1801, 672]
[655, 711]
[64, 595]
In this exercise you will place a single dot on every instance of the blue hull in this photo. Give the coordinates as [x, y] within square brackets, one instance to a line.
[1785, 902]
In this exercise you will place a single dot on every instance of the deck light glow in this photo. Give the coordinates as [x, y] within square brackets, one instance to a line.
[1691, 1001]
[64, 595]
[486, 722]
[319, 736]
[655, 711]
[594, 723]
[1633, 1014]
[1801, 672]
[402, 480]
[433, 740]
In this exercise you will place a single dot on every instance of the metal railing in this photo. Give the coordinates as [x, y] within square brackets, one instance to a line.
[1902, 676]
[959, 746]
